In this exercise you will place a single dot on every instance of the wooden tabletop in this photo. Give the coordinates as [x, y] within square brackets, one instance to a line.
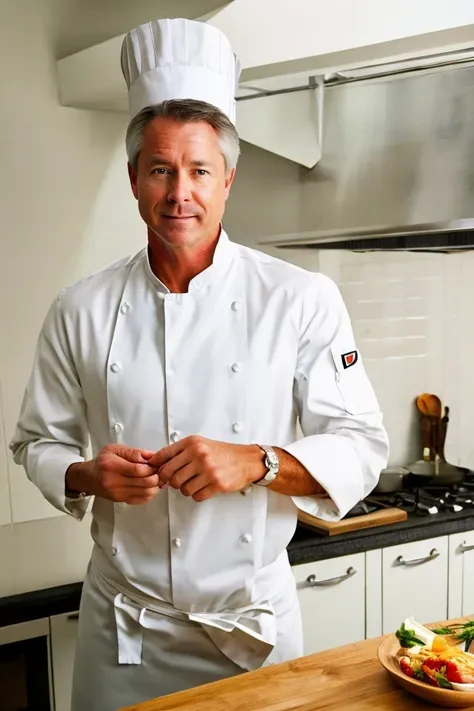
[344, 679]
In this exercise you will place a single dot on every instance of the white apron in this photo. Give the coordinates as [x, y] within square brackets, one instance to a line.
[131, 649]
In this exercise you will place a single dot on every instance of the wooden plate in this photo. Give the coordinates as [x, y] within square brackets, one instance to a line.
[441, 697]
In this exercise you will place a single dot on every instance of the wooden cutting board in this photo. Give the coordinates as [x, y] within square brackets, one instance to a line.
[332, 528]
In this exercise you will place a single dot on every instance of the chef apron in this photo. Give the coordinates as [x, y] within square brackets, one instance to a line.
[124, 658]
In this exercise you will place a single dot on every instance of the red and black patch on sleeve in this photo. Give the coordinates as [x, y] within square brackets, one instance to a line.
[350, 358]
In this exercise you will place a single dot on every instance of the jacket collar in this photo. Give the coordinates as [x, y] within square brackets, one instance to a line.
[222, 260]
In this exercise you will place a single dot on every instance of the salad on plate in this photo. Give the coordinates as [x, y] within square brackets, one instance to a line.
[439, 657]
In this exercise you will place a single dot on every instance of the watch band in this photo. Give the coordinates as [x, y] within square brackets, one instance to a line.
[272, 463]
[76, 495]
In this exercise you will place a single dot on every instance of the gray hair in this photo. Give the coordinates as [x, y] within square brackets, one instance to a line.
[185, 111]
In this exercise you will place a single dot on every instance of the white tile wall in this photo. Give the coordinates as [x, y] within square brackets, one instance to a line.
[458, 352]
[411, 317]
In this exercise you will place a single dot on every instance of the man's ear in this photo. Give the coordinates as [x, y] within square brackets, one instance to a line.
[132, 174]
[229, 179]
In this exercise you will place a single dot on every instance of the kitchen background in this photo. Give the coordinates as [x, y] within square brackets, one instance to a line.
[67, 210]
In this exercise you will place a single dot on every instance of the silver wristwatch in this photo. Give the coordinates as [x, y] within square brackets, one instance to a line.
[272, 463]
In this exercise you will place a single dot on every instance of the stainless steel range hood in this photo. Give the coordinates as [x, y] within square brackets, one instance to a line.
[454, 236]
[397, 166]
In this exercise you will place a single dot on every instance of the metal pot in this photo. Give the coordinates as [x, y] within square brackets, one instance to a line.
[391, 480]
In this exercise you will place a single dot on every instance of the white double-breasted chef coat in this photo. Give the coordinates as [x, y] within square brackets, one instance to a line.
[254, 346]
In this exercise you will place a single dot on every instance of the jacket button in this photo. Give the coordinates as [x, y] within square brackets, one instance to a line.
[235, 306]
[177, 542]
[125, 308]
[236, 367]
[237, 427]
[118, 428]
[246, 538]
[115, 367]
[175, 436]
[114, 551]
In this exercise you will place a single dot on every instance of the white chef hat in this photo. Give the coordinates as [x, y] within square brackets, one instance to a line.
[179, 59]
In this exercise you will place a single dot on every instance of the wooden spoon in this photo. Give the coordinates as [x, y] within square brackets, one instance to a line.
[430, 407]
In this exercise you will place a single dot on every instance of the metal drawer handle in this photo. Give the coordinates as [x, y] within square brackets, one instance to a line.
[418, 561]
[463, 548]
[311, 581]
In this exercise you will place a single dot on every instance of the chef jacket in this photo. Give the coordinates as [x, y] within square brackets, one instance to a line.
[256, 347]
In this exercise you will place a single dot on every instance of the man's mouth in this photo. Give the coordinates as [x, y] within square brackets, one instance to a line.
[179, 217]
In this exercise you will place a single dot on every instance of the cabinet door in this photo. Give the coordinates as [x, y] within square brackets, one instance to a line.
[415, 582]
[63, 647]
[466, 549]
[332, 600]
[461, 576]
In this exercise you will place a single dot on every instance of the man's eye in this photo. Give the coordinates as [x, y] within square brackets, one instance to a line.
[201, 171]
[160, 171]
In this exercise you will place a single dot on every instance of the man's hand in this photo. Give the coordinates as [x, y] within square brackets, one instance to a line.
[202, 468]
[117, 473]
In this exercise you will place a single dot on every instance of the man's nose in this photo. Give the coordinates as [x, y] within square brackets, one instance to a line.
[180, 189]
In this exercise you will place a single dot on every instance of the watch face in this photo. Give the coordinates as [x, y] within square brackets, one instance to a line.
[272, 460]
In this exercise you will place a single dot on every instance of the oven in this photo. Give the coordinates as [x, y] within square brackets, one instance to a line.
[25, 669]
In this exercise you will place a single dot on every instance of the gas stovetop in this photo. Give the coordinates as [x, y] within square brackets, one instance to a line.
[422, 501]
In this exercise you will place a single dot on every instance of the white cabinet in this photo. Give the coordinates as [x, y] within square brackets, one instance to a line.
[63, 647]
[461, 575]
[346, 599]
[332, 601]
[415, 582]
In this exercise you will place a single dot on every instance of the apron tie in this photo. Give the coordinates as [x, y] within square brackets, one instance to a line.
[245, 635]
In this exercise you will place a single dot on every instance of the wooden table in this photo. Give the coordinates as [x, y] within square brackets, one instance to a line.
[344, 679]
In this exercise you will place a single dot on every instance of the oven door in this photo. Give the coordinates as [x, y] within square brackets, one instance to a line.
[25, 670]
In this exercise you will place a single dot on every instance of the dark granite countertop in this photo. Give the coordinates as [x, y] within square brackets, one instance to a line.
[40, 603]
[305, 547]
[308, 546]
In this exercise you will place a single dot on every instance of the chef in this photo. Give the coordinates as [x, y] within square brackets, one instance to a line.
[187, 368]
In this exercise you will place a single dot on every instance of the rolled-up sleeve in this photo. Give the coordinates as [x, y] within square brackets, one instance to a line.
[51, 433]
[344, 444]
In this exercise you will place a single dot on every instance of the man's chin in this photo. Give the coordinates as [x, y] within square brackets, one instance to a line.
[177, 231]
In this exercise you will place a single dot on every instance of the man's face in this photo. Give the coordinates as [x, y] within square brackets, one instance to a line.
[181, 183]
